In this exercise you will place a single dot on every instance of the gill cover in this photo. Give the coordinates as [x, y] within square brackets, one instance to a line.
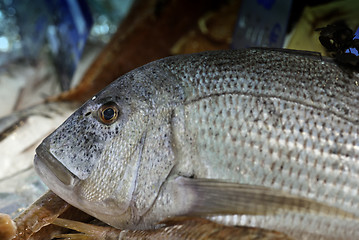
[78, 143]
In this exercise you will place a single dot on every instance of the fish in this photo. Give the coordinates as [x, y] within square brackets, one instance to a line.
[254, 137]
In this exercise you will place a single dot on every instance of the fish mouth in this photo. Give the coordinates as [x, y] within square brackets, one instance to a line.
[44, 159]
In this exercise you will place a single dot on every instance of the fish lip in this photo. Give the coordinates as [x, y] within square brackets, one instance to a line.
[45, 157]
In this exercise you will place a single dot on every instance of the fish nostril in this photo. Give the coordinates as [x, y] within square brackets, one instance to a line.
[87, 114]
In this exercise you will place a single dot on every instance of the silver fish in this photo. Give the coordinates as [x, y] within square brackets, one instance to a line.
[256, 137]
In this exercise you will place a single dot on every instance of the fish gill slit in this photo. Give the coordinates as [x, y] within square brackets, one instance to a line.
[159, 191]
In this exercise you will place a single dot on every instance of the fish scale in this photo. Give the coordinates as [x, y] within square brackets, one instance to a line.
[286, 151]
[324, 85]
[257, 137]
[279, 137]
[285, 158]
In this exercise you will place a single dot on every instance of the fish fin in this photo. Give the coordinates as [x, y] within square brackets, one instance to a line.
[212, 197]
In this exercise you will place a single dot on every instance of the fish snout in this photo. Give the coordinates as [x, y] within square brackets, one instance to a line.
[46, 164]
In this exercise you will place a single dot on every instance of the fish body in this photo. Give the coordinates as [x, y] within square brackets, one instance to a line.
[254, 137]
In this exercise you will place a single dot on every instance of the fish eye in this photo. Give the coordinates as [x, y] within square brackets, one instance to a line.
[108, 113]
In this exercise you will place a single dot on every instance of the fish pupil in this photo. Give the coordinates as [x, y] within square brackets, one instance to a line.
[108, 114]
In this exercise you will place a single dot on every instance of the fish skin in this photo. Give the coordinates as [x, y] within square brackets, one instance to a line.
[278, 119]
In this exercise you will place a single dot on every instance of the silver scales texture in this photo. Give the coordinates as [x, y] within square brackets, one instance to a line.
[274, 119]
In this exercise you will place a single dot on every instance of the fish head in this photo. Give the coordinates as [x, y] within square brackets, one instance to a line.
[100, 159]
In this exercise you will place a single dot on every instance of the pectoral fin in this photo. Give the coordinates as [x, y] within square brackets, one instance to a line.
[212, 197]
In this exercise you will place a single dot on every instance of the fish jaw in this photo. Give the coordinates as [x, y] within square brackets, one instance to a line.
[61, 180]
[55, 175]
[65, 184]
[45, 162]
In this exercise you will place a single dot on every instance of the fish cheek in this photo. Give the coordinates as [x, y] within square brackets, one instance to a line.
[109, 187]
[78, 144]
